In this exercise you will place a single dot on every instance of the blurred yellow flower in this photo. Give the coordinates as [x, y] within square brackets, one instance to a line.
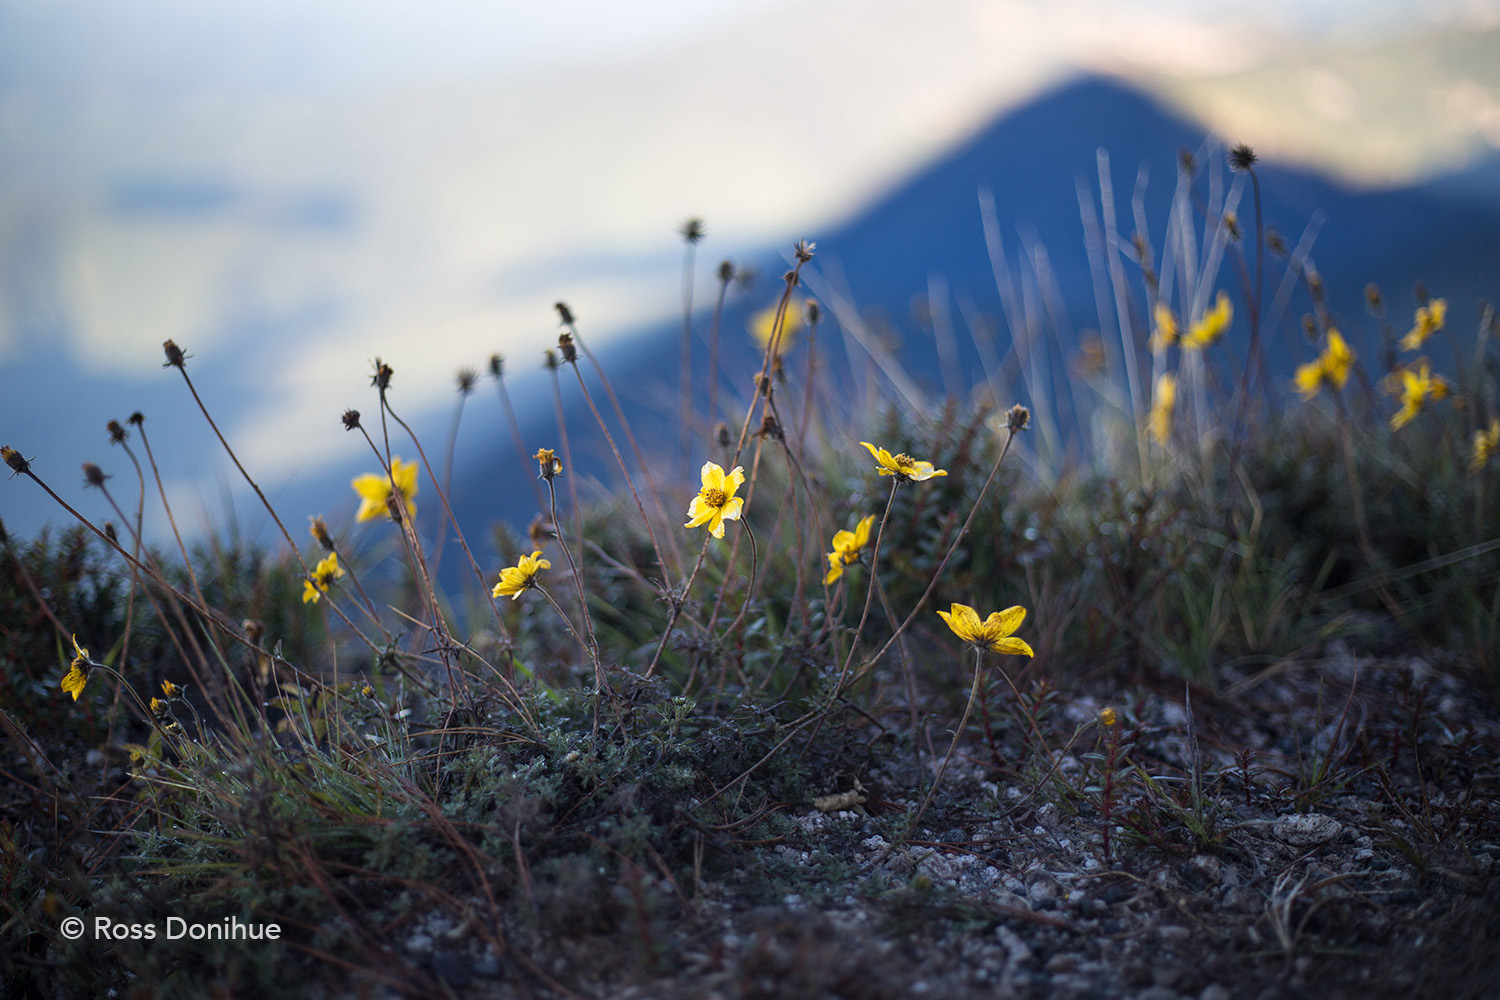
[1160, 421]
[716, 502]
[1108, 717]
[1212, 326]
[1486, 445]
[521, 576]
[1167, 331]
[550, 468]
[78, 674]
[763, 325]
[169, 689]
[323, 575]
[905, 468]
[1429, 320]
[993, 634]
[1329, 368]
[1418, 385]
[376, 490]
[847, 546]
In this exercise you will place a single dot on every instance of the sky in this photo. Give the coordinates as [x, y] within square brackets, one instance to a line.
[289, 188]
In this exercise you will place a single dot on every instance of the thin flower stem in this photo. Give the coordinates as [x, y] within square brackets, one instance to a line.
[620, 461]
[635, 446]
[685, 372]
[750, 585]
[677, 606]
[957, 735]
[515, 434]
[583, 600]
[726, 274]
[573, 631]
[567, 450]
[452, 444]
[869, 590]
[938, 573]
[192, 638]
[734, 548]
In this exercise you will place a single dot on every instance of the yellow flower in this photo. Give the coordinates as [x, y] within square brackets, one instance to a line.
[847, 546]
[1418, 385]
[169, 689]
[1486, 444]
[1212, 326]
[993, 634]
[1330, 368]
[376, 490]
[159, 710]
[78, 674]
[521, 576]
[323, 575]
[1108, 717]
[763, 325]
[905, 468]
[1160, 421]
[1167, 331]
[1429, 320]
[716, 502]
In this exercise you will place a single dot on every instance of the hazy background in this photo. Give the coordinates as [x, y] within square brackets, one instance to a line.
[289, 189]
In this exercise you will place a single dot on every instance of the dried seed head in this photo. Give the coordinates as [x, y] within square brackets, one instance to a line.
[382, 377]
[792, 279]
[565, 345]
[770, 427]
[351, 420]
[564, 313]
[550, 360]
[254, 630]
[726, 271]
[319, 530]
[1315, 285]
[93, 475]
[547, 462]
[692, 230]
[722, 435]
[1373, 298]
[110, 533]
[1309, 327]
[14, 459]
[812, 312]
[1276, 243]
[137, 418]
[763, 386]
[1419, 292]
[117, 432]
[1017, 418]
[1241, 157]
[1232, 226]
[466, 378]
[804, 250]
[175, 357]
[497, 366]
[1186, 161]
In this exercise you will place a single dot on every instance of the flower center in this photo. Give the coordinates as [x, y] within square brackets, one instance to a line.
[714, 498]
[905, 463]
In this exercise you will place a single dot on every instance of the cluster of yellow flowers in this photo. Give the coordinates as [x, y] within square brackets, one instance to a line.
[1209, 327]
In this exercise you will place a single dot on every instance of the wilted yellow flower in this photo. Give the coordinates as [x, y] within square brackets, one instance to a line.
[160, 711]
[905, 468]
[1160, 420]
[78, 674]
[993, 634]
[763, 326]
[1108, 717]
[550, 468]
[1418, 385]
[323, 575]
[716, 502]
[521, 576]
[1486, 444]
[376, 490]
[1167, 331]
[169, 689]
[1212, 326]
[1429, 320]
[847, 546]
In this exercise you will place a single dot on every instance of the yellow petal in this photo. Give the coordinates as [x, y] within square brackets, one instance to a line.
[1013, 646]
[699, 512]
[1002, 623]
[712, 476]
[731, 510]
[862, 531]
[835, 569]
[310, 593]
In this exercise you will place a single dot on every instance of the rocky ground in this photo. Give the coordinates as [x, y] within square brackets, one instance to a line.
[1319, 829]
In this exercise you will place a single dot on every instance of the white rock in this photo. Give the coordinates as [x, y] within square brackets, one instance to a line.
[1306, 828]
